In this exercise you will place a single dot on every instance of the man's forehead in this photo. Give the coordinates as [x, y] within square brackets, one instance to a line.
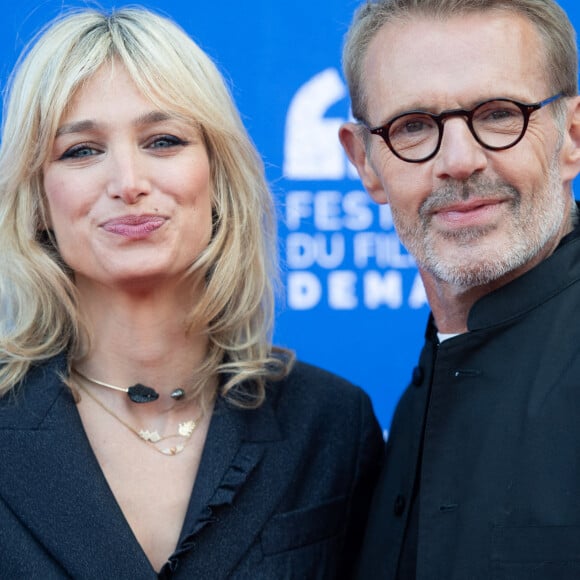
[465, 57]
[414, 33]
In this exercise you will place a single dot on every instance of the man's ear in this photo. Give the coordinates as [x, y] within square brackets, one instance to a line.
[352, 140]
[570, 153]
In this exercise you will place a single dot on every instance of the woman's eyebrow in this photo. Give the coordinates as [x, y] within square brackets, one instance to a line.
[152, 118]
[87, 125]
[75, 127]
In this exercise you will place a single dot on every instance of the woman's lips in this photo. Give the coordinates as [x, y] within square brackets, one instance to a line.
[134, 226]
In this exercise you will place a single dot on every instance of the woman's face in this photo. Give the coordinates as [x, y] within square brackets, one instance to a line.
[128, 187]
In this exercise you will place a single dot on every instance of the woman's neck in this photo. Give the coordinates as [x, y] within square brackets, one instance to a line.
[142, 338]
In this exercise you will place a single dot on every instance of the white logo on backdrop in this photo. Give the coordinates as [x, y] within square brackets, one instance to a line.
[340, 232]
[311, 146]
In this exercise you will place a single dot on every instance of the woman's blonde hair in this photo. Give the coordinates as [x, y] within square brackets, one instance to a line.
[239, 266]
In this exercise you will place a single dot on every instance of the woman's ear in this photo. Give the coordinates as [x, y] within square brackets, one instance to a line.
[353, 142]
[570, 152]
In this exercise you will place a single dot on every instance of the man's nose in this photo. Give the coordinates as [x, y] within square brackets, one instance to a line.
[459, 155]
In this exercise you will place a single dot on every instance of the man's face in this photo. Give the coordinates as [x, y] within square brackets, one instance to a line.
[470, 216]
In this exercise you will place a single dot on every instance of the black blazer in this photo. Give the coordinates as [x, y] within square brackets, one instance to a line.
[281, 492]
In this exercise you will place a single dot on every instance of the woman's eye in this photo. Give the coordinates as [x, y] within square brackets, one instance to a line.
[166, 141]
[79, 151]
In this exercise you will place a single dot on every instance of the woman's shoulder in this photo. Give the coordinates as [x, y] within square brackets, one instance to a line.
[32, 400]
[310, 385]
[307, 374]
[327, 408]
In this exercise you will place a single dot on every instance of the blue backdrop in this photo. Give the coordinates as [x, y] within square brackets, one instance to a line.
[353, 302]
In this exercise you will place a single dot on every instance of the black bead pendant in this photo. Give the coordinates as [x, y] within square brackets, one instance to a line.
[141, 394]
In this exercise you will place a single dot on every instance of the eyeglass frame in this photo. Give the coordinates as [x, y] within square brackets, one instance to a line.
[526, 108]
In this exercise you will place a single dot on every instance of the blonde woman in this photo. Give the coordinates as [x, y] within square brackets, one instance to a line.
[148, 427]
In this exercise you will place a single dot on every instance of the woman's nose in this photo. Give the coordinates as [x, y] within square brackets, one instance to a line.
[128, 177]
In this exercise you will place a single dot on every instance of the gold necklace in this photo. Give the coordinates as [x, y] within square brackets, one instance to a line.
[152, 437]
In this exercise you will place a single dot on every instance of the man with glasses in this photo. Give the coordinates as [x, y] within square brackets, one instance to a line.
[467, 124]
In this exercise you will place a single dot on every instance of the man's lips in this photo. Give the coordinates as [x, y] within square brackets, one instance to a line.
[472, 212]
[134, 226]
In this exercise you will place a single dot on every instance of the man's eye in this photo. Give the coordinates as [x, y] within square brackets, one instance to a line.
[414, 126]
[500, 114]
[409, 126]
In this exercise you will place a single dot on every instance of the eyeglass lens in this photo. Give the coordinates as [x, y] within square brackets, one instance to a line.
[496, 124]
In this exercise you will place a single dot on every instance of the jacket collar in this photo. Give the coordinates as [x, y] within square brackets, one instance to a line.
[540, 284]
[234, 450]
[51, 481]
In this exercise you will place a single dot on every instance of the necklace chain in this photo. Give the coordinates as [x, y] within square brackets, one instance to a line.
[152, 437]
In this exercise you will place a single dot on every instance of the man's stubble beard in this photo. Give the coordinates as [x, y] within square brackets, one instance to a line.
[467, 259]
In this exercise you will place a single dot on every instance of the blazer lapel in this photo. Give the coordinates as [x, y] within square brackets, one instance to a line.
[51, 480]
[229, 520]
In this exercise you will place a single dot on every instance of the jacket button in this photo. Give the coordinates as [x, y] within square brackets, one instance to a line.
[418, 376]
[399, 506]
